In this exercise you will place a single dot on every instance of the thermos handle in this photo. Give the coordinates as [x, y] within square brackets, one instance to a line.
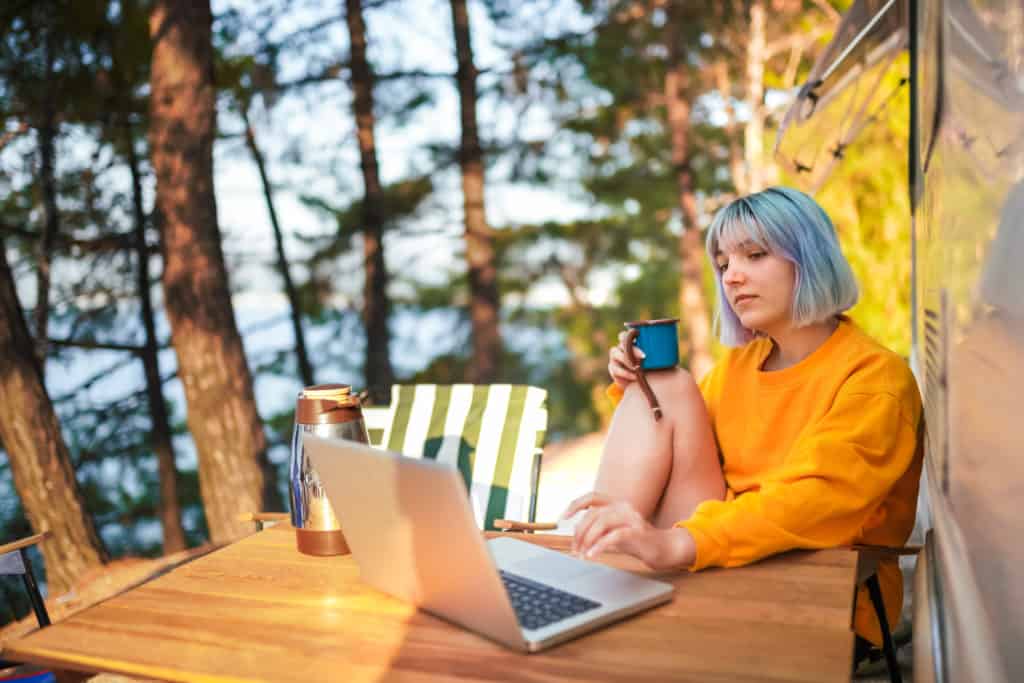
[641, 376]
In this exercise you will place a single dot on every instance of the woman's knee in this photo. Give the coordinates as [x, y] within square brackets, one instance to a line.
[676, 391]
[674, 385]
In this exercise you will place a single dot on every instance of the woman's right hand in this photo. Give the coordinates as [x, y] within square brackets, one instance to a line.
[622, 371]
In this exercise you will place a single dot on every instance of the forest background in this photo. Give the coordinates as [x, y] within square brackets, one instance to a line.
[203, 209]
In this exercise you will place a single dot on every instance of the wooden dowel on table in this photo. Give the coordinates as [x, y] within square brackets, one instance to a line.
[263, 516]
[512, 525]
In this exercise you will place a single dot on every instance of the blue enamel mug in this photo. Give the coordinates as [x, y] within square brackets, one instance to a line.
[659, 340]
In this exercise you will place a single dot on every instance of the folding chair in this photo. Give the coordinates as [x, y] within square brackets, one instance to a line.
[868, 557]
[14, 561]
[493, 433]
[377, 419]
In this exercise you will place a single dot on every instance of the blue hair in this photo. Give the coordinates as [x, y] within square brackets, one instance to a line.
[790, 224]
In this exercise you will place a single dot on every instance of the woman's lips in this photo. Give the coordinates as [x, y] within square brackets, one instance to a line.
[743, 298]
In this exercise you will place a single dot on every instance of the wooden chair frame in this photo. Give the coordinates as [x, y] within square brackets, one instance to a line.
[35, 597]
[31, 587]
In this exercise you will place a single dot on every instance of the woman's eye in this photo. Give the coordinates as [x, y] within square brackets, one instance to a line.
[757, 254]
[723, 266]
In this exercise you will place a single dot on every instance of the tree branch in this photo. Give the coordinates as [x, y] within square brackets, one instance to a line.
[76, 344]
[339, 72]
[96, 245]
[11, 134]
[829, 11]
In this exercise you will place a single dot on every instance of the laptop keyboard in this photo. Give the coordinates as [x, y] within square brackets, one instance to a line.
[538, 605]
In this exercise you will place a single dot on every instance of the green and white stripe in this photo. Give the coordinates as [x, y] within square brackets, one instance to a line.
[377, 419]
[491, 433]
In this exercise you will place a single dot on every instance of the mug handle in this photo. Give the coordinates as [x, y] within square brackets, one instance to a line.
[641, 376]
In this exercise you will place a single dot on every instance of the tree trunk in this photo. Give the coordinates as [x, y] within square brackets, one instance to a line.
[376, 306]
[51, 220]
[39, 459]
[160, 437]
[754, 132]
[305, 368]
[218, 387]
[736, 153]
[483, 276]
[692, 306]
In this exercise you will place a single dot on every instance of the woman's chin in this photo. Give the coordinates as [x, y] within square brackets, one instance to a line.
[759, 324]
[752, 321]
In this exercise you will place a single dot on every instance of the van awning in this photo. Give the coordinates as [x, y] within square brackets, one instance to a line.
[846, 89]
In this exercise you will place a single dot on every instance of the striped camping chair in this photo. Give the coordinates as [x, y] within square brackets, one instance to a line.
[492, 433]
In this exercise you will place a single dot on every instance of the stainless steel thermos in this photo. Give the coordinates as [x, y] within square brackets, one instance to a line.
[328, 410]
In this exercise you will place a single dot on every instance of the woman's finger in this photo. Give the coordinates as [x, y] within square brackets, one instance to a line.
[617, 515]
[622, 347]
[605, 520]
[592, 499]
[583, 536]
[620, 373]
[617, 356]
[582, 528]
[613, 541]
[620, 369]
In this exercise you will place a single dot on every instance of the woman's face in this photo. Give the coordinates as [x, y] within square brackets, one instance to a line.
[759, 286]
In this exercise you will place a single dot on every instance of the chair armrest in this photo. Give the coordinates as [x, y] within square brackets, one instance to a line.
[887, 550]
[23, 543]
[868, 557]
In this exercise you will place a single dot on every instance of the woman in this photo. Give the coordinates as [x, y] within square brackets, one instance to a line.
[803, 436]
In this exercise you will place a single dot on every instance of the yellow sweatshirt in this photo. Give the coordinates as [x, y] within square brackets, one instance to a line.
[820, 454]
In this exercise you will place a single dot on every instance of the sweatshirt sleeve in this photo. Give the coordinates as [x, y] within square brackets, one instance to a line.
[827, 491]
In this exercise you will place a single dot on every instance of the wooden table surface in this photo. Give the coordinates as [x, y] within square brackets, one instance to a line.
[259, 610]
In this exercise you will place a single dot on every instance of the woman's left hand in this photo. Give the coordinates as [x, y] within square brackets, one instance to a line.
[615, 526]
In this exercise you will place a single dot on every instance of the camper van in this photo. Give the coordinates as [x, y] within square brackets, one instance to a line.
[965, 74]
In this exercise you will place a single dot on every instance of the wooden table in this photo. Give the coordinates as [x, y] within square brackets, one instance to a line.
[259, 610]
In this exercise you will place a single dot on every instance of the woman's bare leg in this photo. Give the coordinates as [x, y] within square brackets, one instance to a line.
[664, 468]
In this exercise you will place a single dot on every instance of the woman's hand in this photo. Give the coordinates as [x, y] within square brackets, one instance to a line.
[616, 526]
[622, 371]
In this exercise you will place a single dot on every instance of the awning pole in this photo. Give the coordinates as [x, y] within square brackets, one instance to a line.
[853, 43]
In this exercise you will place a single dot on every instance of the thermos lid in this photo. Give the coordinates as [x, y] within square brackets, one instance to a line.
[327, 404]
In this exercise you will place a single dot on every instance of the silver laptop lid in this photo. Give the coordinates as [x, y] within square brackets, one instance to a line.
[413, 535]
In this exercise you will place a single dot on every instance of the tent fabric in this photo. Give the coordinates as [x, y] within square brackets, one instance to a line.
[848, 86]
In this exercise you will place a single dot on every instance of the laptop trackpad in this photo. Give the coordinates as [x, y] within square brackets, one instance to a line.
[553, 567]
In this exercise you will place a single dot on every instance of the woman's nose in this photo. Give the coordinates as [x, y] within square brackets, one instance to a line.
[733, 275]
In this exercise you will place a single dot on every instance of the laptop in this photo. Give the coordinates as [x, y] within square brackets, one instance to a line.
[411, 530]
